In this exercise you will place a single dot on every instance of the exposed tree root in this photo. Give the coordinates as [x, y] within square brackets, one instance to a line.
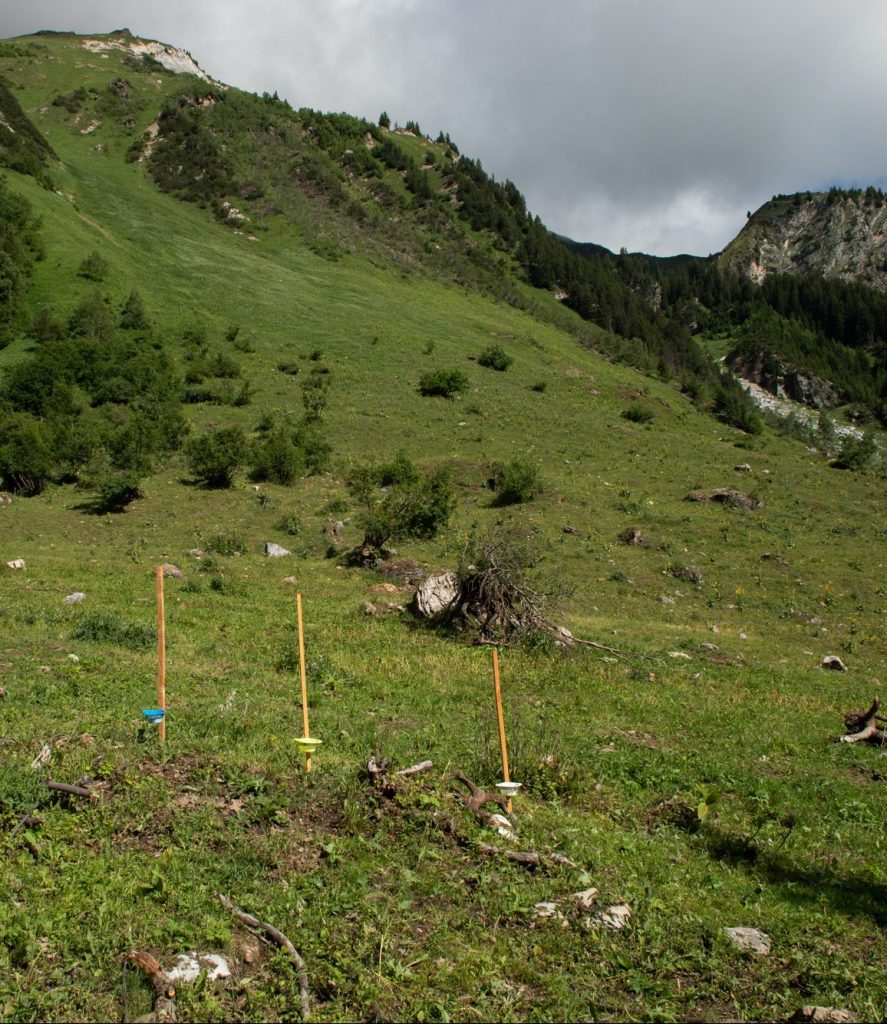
[862, 726]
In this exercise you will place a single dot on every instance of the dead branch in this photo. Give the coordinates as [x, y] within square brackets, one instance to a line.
[63, 787]
[862, 726]
[276, 936]
[164, 990]
[415, 769]
[478, 798]
[377, 769]
[528, 858]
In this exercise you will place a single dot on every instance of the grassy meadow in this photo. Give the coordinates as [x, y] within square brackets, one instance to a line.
[693, 776]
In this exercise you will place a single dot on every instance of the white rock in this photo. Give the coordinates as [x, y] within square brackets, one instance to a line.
[436, 593]
[16, 563]
[275, 550]
[585, 899]
[189, 965]
[833, 662]
[73, 659]
[546, 910]
[749, 940]
[74, 598]
[615, 917]
[503, 826]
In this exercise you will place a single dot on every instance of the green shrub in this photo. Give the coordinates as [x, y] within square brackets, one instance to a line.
[216, 456]
[539, 386]
[290, 525]
[442, 383]
[315, 389]
[515, 482]
[638, 414]
[222, 544]
[277, 459]
[856, 452]
[399, 471]
[496, 358]
[288, 367]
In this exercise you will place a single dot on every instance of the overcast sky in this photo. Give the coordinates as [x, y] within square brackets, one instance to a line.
[650, 124]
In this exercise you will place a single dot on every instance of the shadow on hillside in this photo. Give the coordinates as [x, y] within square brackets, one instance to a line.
[848, 894]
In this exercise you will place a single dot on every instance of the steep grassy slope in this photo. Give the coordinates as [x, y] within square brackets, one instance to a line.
[396, 910]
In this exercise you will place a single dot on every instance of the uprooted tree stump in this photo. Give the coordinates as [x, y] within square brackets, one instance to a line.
[491, 596]
[862, 726]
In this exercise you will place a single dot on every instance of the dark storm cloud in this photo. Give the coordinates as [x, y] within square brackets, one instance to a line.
[652, 124]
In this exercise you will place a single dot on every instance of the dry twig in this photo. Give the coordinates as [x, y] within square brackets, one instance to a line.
[276, 936]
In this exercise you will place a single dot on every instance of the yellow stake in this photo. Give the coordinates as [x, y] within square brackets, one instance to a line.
[161, 653]
[502, 744]
[305, 732]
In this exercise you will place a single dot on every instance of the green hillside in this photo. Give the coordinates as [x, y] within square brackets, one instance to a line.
[686, 765]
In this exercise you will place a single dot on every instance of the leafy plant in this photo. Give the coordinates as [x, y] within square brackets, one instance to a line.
[496, 358]
[216, 456]
[515, 482]
[443, 383]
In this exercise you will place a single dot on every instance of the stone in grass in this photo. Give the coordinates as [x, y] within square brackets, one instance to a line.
[435, 594]
[833, 662]
[172, 571]
[74, 598]
[290, 580]
[823, 1015]
[749, 940]
[275, 550]
[615, 917]
[16, 563]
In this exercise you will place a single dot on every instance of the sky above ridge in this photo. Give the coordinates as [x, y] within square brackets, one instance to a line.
[649, 124]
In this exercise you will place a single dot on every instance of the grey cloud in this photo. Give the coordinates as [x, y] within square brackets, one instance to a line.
[643, 123]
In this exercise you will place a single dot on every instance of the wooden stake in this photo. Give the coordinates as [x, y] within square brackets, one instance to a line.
[305, 731]
[161, 653]
[502, 744]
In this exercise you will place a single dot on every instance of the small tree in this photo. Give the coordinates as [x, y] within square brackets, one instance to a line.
[93, 268]
[216, 456]
[133, 315]
[384, 120]
[412, 509]
[315, 388]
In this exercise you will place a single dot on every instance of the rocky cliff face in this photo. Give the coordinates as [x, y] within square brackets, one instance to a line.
[783, 380]
[835, 234]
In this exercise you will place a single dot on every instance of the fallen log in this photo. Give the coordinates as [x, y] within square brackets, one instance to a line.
[862, 726]
[278, 937]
